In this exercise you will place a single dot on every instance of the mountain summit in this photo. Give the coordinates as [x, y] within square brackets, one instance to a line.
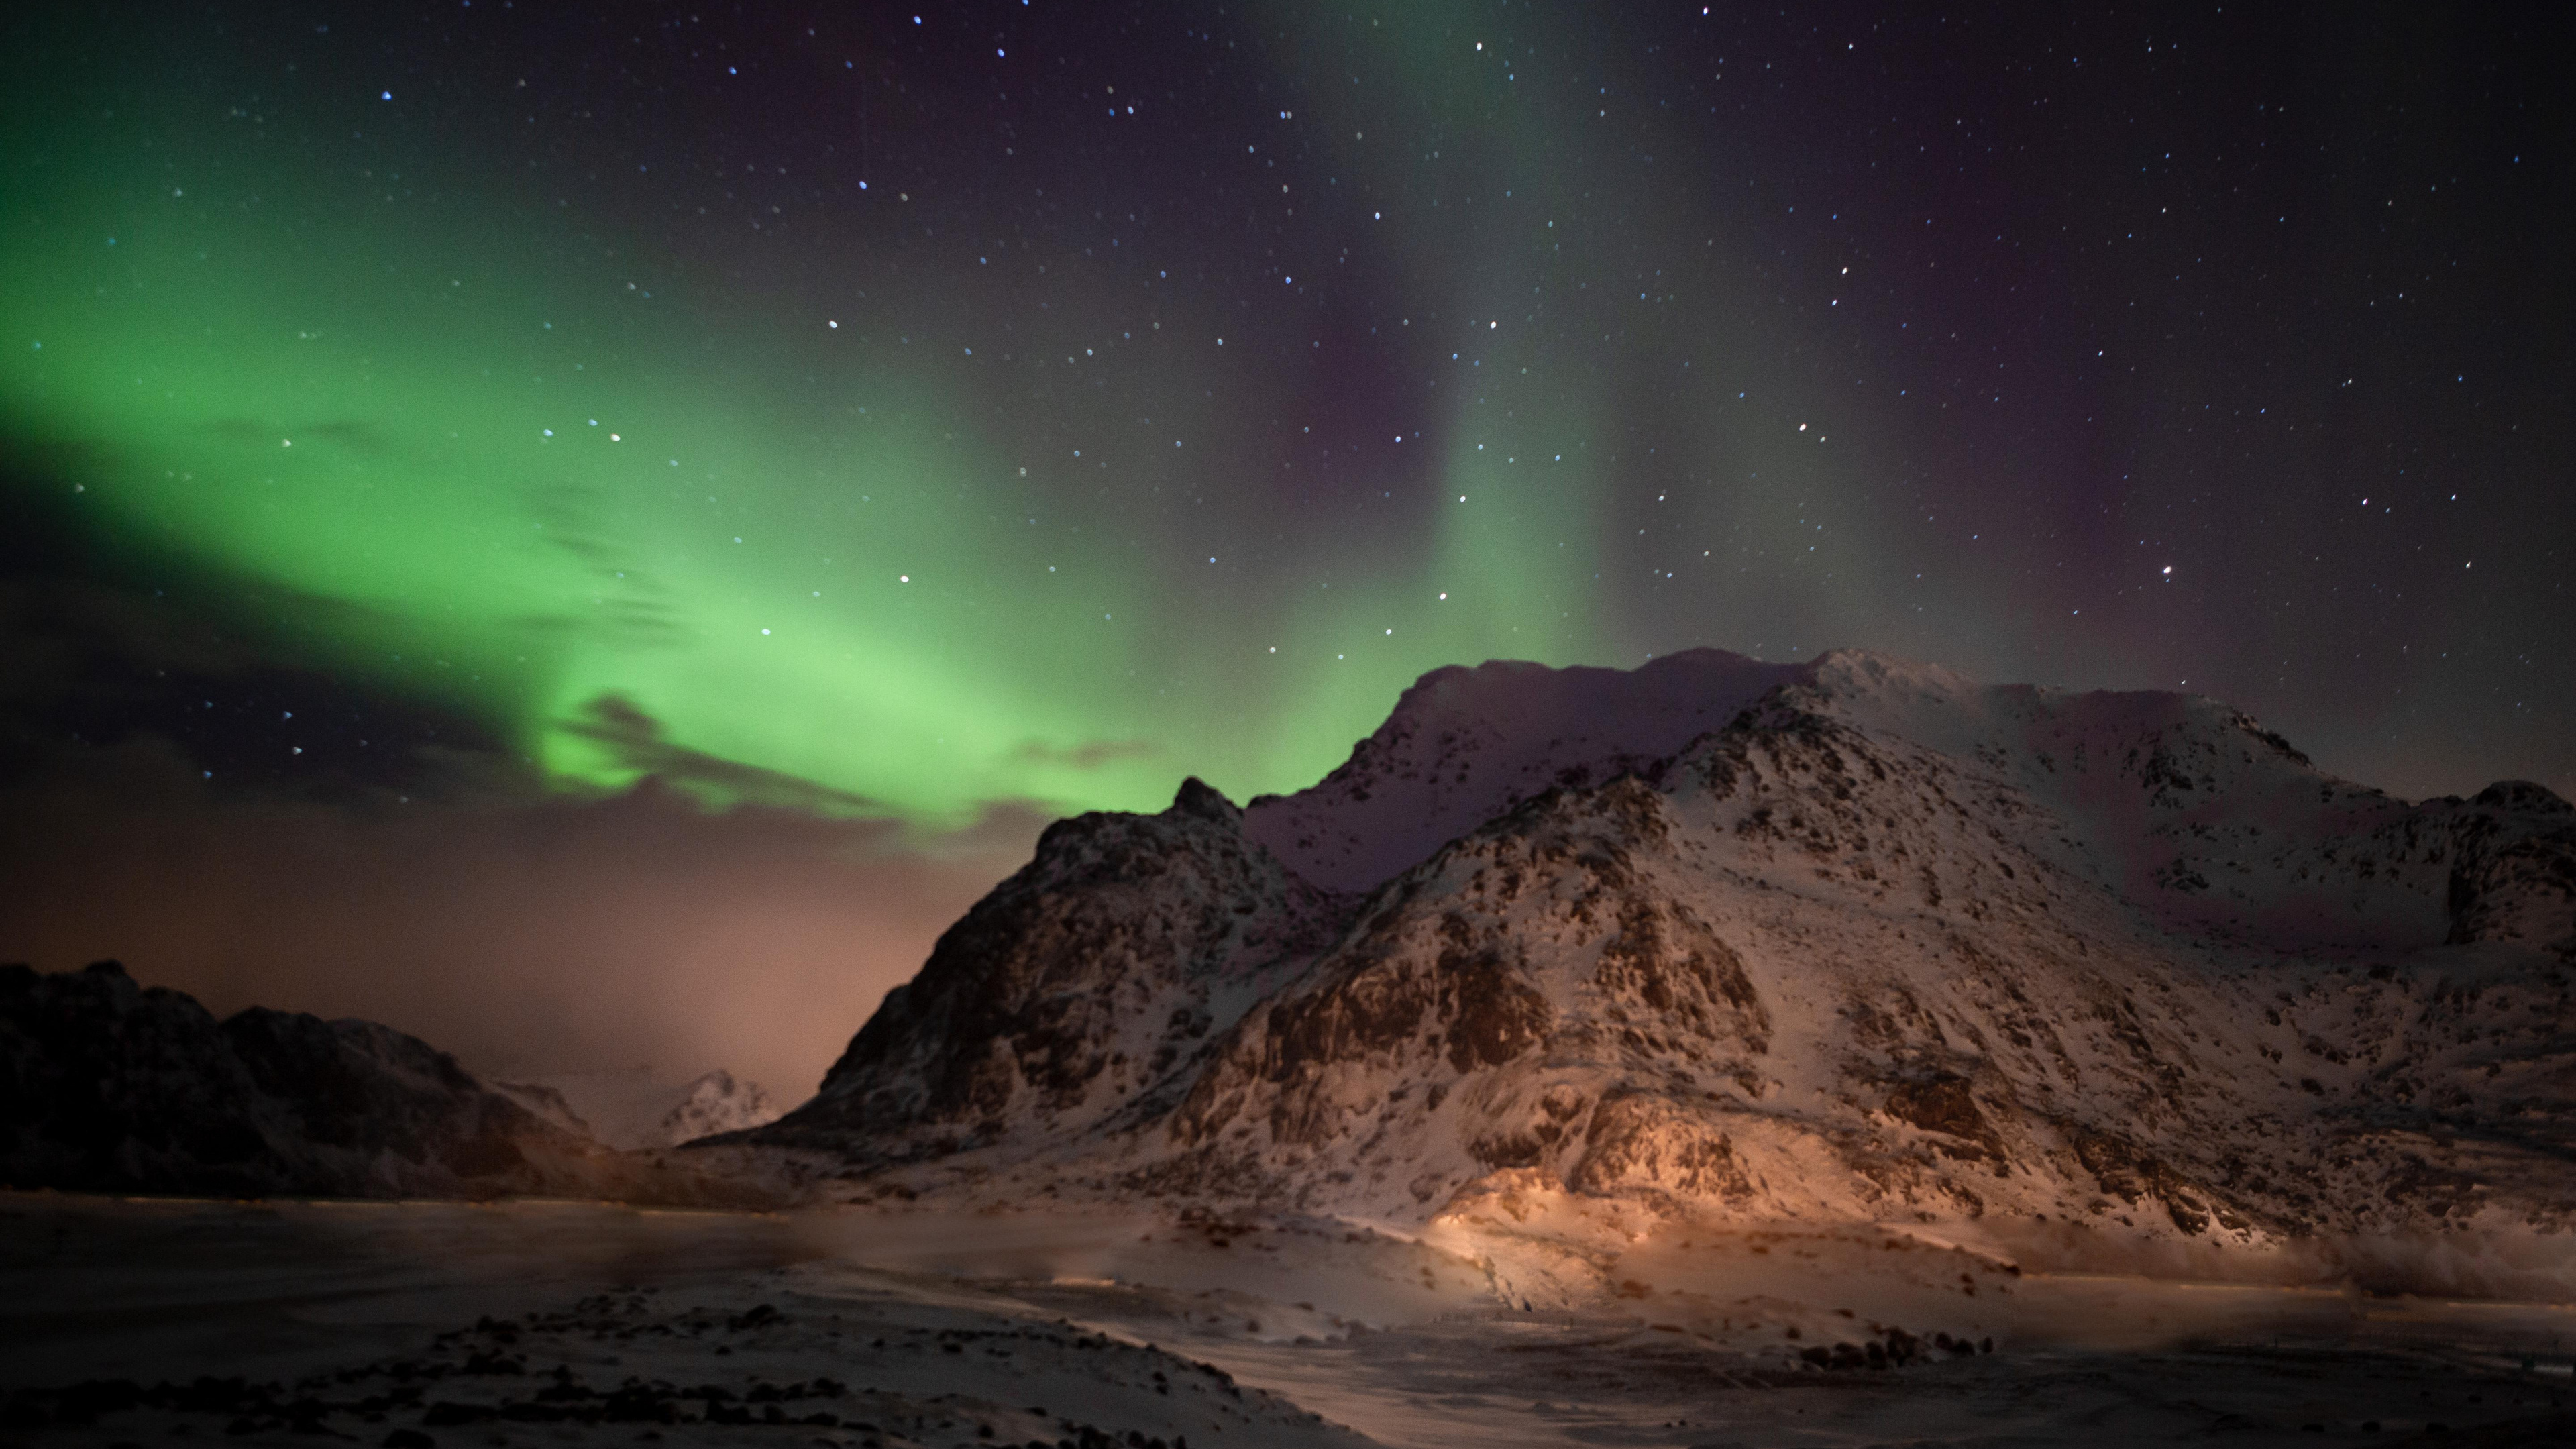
[1854, 940]
[1465, 745]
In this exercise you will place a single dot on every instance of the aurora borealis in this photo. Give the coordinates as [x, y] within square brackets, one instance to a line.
[908, 414]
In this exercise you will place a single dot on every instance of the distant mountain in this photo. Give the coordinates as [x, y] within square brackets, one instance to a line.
[107, 1086]
[716, 1102]
[1858, 939]
[637, 1110]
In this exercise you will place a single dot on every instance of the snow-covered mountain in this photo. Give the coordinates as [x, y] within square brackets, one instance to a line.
[638, 1110]
[1853, 940]
[1465, 745]
[716, 1102]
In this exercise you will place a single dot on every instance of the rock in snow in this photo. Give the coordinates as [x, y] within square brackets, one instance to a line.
[1858, 939]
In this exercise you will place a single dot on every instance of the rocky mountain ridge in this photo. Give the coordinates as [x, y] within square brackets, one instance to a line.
[1464, 745]
[1883, 945]
[109, 1086]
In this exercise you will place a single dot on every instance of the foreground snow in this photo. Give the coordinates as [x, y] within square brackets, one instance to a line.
[539, 1322]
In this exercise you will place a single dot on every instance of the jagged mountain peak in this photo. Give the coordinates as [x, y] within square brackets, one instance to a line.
[715, 1103]
[1078, 988]
[2212, 824]
[1880, 942]
[1198, 797]
[638, 1110]
[1850, 673]
[1465, 744]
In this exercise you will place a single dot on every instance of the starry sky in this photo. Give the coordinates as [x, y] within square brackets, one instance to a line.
[878, 429]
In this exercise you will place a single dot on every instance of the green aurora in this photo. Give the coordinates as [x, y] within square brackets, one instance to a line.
[928, 548]
[429, 431]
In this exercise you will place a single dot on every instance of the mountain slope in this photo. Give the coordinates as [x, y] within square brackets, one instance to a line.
[1887, 945]
[1075, 993]
[635, 1110]
[106, 1086]
[1464, 745]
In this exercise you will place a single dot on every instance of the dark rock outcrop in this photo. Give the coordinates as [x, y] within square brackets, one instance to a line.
[1078, 991]
[109, 1086]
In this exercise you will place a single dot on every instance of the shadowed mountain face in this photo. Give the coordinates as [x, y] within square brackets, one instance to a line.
[106, 1086]
[1075, 992]
[1880, 944]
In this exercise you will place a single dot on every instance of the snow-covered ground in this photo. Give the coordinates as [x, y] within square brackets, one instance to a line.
[533, 1323]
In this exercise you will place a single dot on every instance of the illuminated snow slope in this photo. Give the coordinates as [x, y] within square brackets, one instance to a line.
[1855, 940]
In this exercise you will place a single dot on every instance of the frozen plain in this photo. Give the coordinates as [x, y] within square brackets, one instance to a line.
[535, 1323]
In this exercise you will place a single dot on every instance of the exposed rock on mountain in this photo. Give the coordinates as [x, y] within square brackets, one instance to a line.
[1880, 944]
[1075, 992]
[106, 1086]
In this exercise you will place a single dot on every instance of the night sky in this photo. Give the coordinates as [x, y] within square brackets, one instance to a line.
[886, 428]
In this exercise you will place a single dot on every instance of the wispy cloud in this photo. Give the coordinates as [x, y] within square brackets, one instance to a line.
[1090, 755]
